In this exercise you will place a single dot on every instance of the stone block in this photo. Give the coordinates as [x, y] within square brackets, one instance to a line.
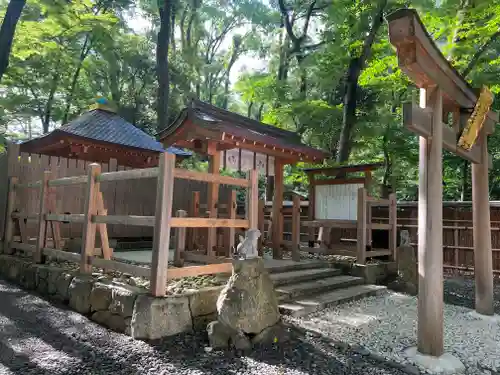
[79, 294]
[62, 284]
[201, 322]
[376, 273]
[218, 335]
[100, 296]
[123, 299]
[155, 317]
[28, 276]
[204, 301]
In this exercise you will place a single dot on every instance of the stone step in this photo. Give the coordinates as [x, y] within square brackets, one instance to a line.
[283, 278]
[287, 292]
[286, 266]
[307, 305]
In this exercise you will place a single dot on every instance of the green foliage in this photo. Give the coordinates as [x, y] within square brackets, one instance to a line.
[66, 53]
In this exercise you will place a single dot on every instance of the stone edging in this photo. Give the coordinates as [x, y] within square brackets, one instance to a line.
[118, 306]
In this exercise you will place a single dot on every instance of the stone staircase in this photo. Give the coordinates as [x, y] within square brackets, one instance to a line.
[304, 288]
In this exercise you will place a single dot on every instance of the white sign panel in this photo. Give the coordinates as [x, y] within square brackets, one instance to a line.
[337, 202]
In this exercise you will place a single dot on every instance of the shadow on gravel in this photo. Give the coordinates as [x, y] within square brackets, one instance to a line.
[460, 291]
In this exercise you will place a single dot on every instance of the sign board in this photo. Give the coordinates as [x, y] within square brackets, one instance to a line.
[476, 120]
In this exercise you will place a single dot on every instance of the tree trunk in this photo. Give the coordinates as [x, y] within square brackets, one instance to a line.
[14, 10]
[354, 70]
[74, 80]
[259, 113]
[249, 110]
[48, 106]
[162, 65]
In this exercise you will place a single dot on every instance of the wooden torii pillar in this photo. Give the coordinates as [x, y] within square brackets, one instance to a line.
[443, 91]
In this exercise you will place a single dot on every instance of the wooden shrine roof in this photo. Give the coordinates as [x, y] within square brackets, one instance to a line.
[203, 121]
[99, 135]
[420, 59]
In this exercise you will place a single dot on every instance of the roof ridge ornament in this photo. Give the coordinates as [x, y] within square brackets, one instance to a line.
[103, 104]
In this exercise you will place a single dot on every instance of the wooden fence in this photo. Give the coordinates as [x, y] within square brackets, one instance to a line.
[136, 197]
[93, 217]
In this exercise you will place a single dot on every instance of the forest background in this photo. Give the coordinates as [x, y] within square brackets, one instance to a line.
[322, 68]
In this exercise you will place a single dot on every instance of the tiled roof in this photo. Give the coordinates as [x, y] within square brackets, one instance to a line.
[104, 126]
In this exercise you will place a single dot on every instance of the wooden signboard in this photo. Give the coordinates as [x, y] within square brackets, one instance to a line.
[477, 119]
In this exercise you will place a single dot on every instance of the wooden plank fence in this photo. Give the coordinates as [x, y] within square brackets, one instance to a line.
[38, 192]
[137, 197]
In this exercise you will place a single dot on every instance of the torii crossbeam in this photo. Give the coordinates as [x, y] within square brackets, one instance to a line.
[443, 91]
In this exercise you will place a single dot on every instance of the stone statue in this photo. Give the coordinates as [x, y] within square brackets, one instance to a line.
[404, 238]
[247, 248]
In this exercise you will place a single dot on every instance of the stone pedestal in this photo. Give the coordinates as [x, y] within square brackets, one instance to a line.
[446, 364]
[407, 280]
[247, 308]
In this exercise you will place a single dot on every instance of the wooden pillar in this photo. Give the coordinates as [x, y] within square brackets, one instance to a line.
[430, 233]
[368, 187]
[89, 228]
[163, 213]
[180, 242]
[42, 223]
[296, 228]
[269, 188]
[194, 212]
[361, 226]
[252, 201]
[311, 208]
[483, 262]
[277, 219]
[9, 222]
[393, 222]
[231, 207]
[212, 197]
[262, 226]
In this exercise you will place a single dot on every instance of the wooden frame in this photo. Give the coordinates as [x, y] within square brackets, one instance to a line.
[95, 218]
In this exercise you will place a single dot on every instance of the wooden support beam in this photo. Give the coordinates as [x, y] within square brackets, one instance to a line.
[42, 223]
[262, 225]
[194, 212]
[180, 241]
[89, 227]
[393, 222]
[212, 199]
[9, 222]
[430, 234]
[312, 205]
[483, 263]
[252, 201]
[107, 252]
[419, 121]
[163, 213]
[361, 226]
[232, 216]
[200, 222]
[277, 218]
[296, 228]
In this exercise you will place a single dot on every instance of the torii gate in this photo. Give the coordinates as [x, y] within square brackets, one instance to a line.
[447, 92]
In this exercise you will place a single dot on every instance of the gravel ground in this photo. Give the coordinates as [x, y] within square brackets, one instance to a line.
[387, 325]
[37, 337]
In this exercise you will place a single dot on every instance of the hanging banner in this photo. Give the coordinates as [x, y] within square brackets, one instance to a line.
[244, 160]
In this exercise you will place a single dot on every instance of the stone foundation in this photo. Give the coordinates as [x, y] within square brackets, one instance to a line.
[118, 306]
[375, 273]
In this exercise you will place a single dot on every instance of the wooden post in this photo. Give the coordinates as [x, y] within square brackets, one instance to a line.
[9, 222]
[277, 225]
[361, 226]
[456, 239]
[393, 221]
[180, 242]
[107, 252]
[483, 262]
[430, 233]
[262, 226]
[312, 204]
[212, 198]
[194, 212]
[163, 213]
[232, 215]
[42, 223]
[252, 202]
[89, 228]
[296, 228]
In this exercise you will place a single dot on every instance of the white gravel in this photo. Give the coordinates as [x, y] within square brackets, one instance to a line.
[387, 325]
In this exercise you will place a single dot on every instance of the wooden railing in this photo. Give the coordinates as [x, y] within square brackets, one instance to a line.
[95, 218]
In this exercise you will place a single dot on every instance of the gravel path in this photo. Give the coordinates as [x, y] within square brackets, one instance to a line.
[387, 325]
[37, 337]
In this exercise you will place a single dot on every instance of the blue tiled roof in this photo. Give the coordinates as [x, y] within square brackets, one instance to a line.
[101, 125]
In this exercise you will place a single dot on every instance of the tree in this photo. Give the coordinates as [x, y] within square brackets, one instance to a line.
[163, 73]
[12, 15]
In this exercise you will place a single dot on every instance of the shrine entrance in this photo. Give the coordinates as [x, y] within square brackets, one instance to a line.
[444, 93]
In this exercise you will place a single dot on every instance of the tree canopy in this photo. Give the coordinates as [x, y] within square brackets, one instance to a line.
[324, 69]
